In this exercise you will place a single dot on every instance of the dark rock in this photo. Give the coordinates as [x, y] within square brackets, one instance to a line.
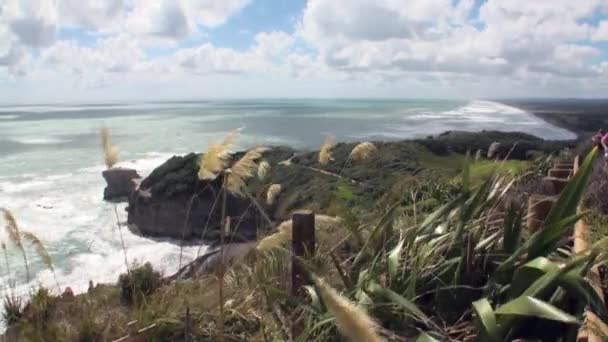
[121, 182]
[172, 193]
[68, 293]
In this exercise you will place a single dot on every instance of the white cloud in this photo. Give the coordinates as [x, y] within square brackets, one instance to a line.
[114, 55]
[526, 45]
[165, 19]
[34, 22]
[213, 13]
[513, 38]
[94, 15]
[208, 59]
[601, 32]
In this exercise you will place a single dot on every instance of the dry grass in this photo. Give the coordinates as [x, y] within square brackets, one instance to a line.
[263, 169]
[273, 191]
[325, 151]
[287, 162]
[110, 152]
[493, 150]
[363, 151]
[243, 169]
[215, 160]
[14, 235]
[352, 321]
[284, 232]
[40, 249]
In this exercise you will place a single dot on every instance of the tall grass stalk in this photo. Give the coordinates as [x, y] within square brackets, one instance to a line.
[14, 236]
[110, 152]
[42, 253]
[11, 280]
[352, 321]
[122, 240]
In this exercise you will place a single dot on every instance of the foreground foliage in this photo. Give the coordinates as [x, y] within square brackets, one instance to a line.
[433, 261]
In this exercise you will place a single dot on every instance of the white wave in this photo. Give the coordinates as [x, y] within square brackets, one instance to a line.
[67, 213]
[38, 140]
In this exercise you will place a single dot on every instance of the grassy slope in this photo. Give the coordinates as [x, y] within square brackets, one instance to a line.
[101, 313]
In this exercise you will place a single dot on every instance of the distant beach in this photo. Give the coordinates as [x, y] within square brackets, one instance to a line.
[580, 116]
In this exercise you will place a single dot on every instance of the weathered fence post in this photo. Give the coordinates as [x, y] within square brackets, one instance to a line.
[303, 247]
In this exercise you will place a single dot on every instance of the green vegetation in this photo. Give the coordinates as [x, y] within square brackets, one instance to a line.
[435, 248]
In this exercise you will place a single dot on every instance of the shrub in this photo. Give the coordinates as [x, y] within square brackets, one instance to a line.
[138, 283]
[40, 305]
[13, 310]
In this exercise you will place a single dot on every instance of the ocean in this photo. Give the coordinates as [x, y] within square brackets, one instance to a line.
[51, 163]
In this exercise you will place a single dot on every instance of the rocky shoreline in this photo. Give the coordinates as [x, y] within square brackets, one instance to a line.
[171, 202]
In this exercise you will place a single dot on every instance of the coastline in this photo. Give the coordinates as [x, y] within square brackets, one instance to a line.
[582, 117]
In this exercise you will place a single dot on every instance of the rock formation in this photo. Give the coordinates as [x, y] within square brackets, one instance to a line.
[173, 203]
[121, 182]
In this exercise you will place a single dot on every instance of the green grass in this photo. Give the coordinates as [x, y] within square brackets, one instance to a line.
[430, 160]
[427, 274]
[482, 169]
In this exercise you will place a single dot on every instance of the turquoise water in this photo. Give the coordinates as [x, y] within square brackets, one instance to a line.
[50, 161]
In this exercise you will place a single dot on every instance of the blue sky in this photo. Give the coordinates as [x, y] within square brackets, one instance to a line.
[86, 50]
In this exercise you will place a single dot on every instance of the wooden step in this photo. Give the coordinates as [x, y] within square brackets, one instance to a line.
[560, 173]
[539, 207]
[558, 184]
[563, 165]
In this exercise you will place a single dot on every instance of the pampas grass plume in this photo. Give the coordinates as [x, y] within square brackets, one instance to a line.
[244, 169]
[40, 249]
[352, 321]
[287, 162]
[325, 151]
[216, 158]
[493, 149]
[12, 229]
[275, 240]
[272, 193]
[110, 152]
[284, 232]
[263, 169]
[363, 151]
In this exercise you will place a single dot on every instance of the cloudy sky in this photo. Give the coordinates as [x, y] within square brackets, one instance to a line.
[120, 50]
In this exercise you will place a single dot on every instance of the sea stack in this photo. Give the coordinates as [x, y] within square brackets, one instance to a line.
[121, 182]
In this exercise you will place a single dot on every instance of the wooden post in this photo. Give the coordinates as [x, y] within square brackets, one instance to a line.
[303, 247]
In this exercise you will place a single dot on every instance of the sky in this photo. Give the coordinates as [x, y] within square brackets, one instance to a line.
[100, 51]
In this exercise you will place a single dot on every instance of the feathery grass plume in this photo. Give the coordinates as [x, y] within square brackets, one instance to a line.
[110, 152]
[287, 162]
[325, 150]
[263, 169]
[243, 169]
[41, 251]
[363, 151]
[284, 232]
[216, 158]
[275, 240]
[272, 193]
[493, 150]
[11, 281]
[352, 321]
[478, 155]
[14, 236]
